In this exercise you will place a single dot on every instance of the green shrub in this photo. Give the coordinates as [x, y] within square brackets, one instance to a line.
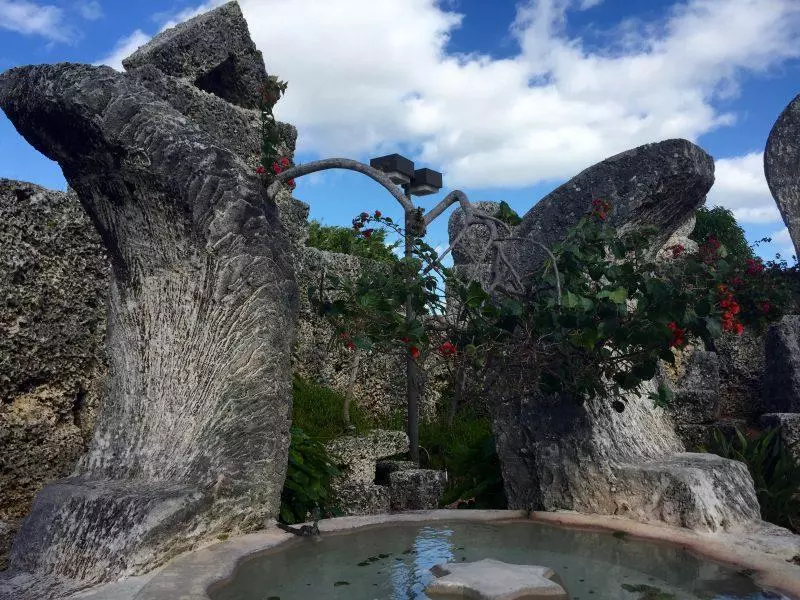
[467, 451]
[720, 223]
[775, 473]
[308, 479]
[318, 411]
[347, 241]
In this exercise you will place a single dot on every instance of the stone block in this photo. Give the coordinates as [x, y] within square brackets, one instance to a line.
[703, 492]
[782, 366]
[213, 51]
[781, 160]
[384, 468]
[361, 498]
[416, 489]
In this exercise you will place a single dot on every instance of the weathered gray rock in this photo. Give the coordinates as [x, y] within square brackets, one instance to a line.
[53, 280]
[741, 373]
[657, 184]
[490, 579]
[559, 453]
[357, 491]
[680, 237]
[782, 366]
[359, 454]
[788, 426]
[212, 51]
[416, 489]
[473, 243]
[192, 438]
[782, 167]
[384, 468]
[703, 492]
[361, 498]
[695, 406]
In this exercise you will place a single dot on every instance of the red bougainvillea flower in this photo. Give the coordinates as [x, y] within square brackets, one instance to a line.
[600, 208]
[404, 340]
[754, 266]
[677, 249]
[284, 162]
[291, 183]
[738, 328]
[678, 334]
[447, 349]
[356, 225]
[351, 346]
[367, 232]
[276, 168]
[414, 351]
[712, 242]
[736, 281]
[765, 306]
[260, 170]
[377, 214]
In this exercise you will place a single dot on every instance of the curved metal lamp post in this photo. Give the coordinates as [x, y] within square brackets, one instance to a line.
[392, 171]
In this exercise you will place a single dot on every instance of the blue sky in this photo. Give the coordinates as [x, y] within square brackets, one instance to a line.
[507, 99]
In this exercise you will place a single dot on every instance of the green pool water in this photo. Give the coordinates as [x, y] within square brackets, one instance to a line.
[392, 562]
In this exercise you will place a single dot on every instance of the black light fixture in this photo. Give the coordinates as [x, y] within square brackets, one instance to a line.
[399, 169]
[425, 181]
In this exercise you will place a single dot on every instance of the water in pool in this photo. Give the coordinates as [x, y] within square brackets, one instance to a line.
[392, 563]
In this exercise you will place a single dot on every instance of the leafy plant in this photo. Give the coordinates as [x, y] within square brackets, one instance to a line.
[344, 240]
[775, 473]
[317, 410]
[308, 479]
[719, 222]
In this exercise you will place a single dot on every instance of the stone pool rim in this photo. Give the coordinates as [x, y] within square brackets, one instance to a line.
[192, 576]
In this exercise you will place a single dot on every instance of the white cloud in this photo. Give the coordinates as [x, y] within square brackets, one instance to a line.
[368, 75]
[123, 49]
[29, 18]
[587, 4]
[90, 9]
[741, 187]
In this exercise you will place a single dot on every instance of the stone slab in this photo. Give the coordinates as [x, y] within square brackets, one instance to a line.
[490, 579]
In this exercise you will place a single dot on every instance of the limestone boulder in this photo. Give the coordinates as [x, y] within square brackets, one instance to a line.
[658, 184]
[741, 372]
[473, 243]
[213, 51]
[201, 319]
[781, 387]
[53, 279]
[557, 452]
[360, 454]
[416, 489]
[696, 404]
[782, 167]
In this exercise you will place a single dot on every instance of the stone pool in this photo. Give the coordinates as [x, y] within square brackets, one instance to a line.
[394, 561]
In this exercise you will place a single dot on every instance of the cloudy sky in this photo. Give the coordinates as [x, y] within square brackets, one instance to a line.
[507, 99]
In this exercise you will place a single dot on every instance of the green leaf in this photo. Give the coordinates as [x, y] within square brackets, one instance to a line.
[617, 296]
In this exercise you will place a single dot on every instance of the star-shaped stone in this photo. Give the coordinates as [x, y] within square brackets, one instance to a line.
[490, 579]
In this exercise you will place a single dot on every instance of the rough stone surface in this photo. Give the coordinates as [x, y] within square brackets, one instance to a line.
[782, 366]
[741, 373]
[490, 579]
[703, 492]
[359, 454]
[657, 184]
[361, 498]
[471, 247]
[416, 489]
[782, 167]
[233, 69]
[695, 406]
[559, 453]
[384, 468]
[680, 237]
[53, 280]
[788, 426]
[202, 307]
